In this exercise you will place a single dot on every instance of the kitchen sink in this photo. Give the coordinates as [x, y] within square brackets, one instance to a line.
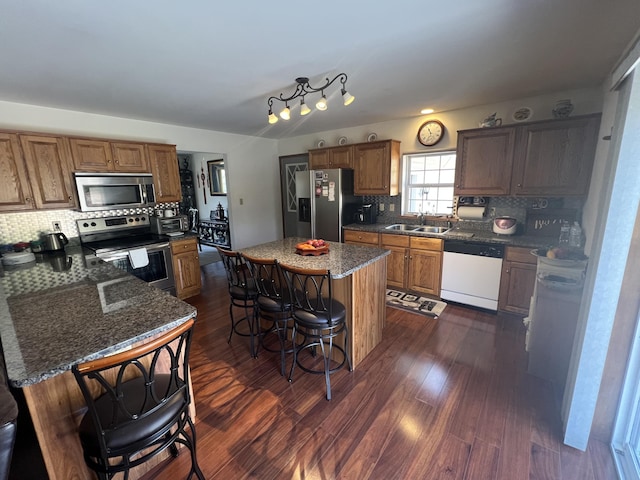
[429, 229]
[417, 228]
[402, 227]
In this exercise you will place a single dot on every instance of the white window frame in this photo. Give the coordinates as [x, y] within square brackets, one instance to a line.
[407, 185]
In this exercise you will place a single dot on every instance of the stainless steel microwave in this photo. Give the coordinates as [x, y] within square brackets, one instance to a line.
[114, 191]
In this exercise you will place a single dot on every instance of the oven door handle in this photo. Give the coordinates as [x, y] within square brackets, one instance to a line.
[125, 253]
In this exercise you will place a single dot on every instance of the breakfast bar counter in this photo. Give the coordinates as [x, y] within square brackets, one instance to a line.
[56, 313]
[359, 276]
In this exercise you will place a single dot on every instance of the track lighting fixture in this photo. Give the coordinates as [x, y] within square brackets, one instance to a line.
[303, 88]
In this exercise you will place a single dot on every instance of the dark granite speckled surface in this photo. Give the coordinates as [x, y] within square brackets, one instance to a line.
[457, 233]
[50, 320]
[342, 259]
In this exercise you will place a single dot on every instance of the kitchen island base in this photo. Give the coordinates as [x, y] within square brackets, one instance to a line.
[363, 295]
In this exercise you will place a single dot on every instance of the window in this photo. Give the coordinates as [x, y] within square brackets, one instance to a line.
[428, 183]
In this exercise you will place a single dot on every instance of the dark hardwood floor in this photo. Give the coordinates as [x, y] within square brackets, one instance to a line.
[445, 398]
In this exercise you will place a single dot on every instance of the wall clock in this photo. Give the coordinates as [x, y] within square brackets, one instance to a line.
[430, 132]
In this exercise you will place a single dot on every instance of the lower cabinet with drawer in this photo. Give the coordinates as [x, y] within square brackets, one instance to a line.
[357, 237]
[186, 267]
[517, 281]
[415, 263]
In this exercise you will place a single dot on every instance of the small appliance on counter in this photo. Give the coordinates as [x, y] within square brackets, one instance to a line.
[505, 225]
[366, 214]
[169, 225]
[54, 241]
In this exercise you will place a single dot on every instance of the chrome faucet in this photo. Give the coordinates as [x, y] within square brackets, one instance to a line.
[420, 218]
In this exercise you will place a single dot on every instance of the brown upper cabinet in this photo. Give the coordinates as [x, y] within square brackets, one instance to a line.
[49, 170]
[332, 157]
[15, 191]
[376, 168]
[484, 160]
[95, 155]
[548, 158]
[166, 174]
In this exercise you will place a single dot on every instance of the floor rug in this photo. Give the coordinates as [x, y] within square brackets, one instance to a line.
[414, 303]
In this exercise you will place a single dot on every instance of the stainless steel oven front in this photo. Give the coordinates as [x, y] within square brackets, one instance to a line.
[158, 272]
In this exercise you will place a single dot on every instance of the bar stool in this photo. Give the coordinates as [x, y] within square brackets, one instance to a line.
[242, 294]
[138, 405]
[274, 304]
[318, 319]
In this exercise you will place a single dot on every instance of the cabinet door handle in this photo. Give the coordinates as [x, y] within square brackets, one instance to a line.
[519, 184]
[28, 200]
[506, 271]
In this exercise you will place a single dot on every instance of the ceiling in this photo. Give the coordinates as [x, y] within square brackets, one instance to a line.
[213, 65]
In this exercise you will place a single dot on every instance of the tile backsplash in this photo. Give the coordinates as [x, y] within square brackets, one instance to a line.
[501, 206]
[27, 226]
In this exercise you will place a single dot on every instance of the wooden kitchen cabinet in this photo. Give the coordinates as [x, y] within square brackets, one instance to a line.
[15, 191]
[97, 155]
[49, 169]
[186, 267]
[376, 168]
[484, 161]
[397, 260]
[425, 265]
[415, 263]
[547, 158]
[555, 158]
[129, 157]
[91, 155]
[517, 281]
[355, 237]
[333, 157]
[166, 173]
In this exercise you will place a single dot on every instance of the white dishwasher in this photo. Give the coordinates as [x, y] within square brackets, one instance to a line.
[471, 273]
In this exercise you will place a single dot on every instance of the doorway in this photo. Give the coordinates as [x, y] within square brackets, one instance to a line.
[289, 165]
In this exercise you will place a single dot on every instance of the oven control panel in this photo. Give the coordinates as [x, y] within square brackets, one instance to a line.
[112, 224]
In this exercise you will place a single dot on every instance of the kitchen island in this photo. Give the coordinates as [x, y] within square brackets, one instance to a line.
[359, 281]
[54, 314]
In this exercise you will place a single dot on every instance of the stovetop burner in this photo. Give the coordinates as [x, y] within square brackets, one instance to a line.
[123, 243]
[110, 234]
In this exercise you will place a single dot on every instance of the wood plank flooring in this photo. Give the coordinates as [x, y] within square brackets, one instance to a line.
[445, 398]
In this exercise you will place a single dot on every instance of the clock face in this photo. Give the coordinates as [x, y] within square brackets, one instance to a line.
[430, 133]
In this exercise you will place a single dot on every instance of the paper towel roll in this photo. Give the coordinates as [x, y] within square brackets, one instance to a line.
[471, 213]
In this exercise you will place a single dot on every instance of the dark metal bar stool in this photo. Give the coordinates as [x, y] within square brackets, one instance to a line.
[274, 304]
[243, 294]
[138, 405]
[318, 320]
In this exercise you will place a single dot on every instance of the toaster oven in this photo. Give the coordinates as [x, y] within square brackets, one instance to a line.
[169, 225]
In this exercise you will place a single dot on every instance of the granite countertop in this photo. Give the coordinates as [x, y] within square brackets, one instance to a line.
[460, 233]
[341, 260]
[50, 319]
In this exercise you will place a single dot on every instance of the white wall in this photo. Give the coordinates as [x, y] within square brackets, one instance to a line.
[252, 162]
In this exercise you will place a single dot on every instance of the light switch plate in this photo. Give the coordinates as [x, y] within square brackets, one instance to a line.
[382, 207]
[392, 207]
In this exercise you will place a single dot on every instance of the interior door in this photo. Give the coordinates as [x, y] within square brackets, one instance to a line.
[289, 165]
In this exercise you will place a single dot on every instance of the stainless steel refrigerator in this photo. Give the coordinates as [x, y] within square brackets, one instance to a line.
[325, 203]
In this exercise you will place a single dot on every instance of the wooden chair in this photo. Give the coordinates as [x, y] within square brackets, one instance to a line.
[318, 320]
[138, 405]
[274, 304]
[242, 294]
